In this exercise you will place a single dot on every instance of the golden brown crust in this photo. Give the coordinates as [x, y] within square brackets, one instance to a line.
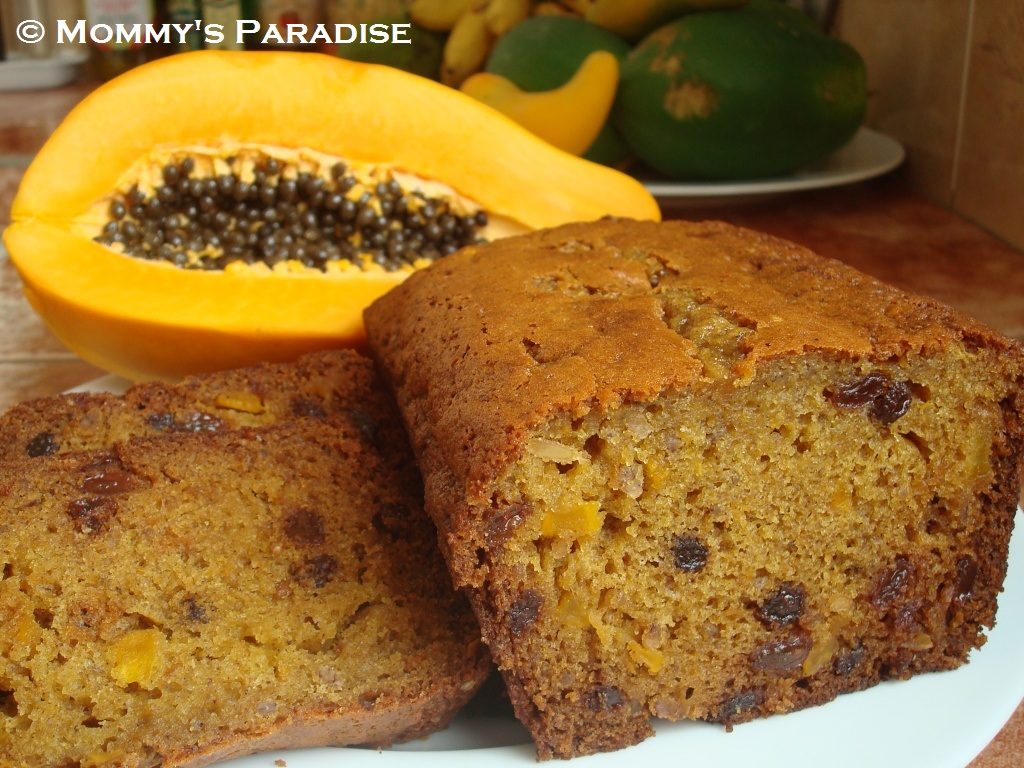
[317, 386]
[389, 723]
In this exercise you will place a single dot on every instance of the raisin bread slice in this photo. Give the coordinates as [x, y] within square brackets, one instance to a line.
[690, 471]
[182, 599]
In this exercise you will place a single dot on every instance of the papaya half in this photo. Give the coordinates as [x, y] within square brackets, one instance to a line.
[745, 93]
[213, 209]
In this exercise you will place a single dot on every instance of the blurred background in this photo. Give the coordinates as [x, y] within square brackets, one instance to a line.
[945, 77]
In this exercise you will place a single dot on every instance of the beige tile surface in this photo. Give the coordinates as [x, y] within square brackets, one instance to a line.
[24, 336]
[990, 172]
[915, 53]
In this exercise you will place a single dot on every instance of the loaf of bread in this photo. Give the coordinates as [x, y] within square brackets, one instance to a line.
[320, 385]
[695, 472]
[181, 599]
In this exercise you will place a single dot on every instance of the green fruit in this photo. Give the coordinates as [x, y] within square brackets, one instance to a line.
[421, 57]
[544, 52]
[747, 93]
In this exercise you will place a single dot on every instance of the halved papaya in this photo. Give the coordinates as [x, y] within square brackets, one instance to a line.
[213, 209]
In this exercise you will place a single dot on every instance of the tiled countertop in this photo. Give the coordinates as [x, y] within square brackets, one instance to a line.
[878, 227]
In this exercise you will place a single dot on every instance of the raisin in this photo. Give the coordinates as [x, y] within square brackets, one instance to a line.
[523, 613]
[194, 611]
[111, 480]
[91, 515]
[304, 527]
[859, 393]
[735, 705]
[905, 618]
[162, 421]
[892, 583]
[690, 553]
[892, 403]
[194, 422]
[604, 697]
[199, 422]
[966, 575]
[43, 444]
[783, 606]
[847, 661]
[506, 520]
[885, 399]
[782, 656]
[319, 569]
[308, 409]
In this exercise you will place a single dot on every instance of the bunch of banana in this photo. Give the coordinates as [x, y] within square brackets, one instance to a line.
[473, 26]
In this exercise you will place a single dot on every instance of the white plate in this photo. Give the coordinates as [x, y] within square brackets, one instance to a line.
[868, 154]
[937, 720]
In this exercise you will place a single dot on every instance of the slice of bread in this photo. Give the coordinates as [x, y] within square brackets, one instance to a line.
[183, 599]
[318, 386]
[694, 472]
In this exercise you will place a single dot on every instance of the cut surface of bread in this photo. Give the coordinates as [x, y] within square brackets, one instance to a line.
[182, 599]
[694, 472]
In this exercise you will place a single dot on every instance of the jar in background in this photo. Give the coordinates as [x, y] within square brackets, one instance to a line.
[227, 13]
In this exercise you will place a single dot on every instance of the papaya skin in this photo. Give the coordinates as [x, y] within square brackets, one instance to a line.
[570, 117]
[149, 319]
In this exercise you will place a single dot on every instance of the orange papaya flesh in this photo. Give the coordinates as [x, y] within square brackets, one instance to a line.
[215, 114]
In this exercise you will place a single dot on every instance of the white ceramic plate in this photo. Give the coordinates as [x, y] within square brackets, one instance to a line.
[868, 154]
[938, 720]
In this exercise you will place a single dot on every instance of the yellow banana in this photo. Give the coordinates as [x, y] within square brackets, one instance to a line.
[552, 9]
[439, 15]
[570, 117]
[467, 46]
[502, 15]
[579, 6]
[636, 18]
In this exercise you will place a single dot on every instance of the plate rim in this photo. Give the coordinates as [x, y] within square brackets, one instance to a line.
[895, 154]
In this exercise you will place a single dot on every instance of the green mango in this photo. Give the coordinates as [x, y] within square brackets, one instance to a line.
[739, 94]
